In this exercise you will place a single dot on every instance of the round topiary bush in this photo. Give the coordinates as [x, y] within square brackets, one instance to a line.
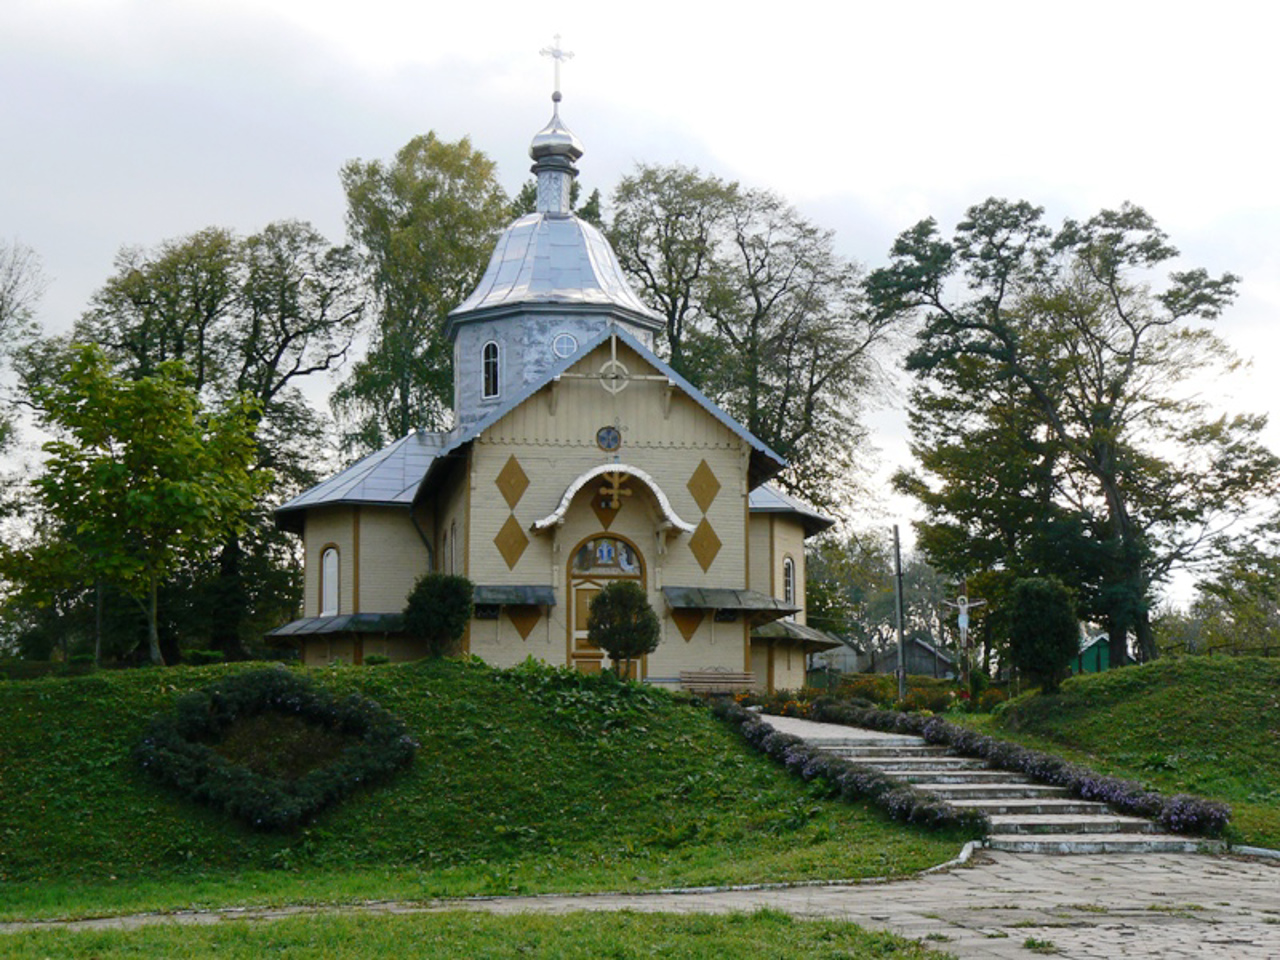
[622, 623]
[271, 749]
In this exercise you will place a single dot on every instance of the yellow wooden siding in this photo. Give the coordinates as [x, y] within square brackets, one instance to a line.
[324, 527]
[392, 558]
[788, 541]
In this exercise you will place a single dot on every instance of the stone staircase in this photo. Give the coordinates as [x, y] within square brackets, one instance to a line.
[1026, 817]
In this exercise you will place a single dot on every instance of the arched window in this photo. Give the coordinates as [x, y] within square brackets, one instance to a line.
[789, 582]
[329, 582]
[490, 366]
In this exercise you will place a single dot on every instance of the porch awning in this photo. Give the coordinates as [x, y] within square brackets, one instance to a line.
[343, 623]
[512, 595]
[798, 632]
[724, 598]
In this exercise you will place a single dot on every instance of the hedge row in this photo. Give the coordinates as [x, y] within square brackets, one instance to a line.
[178, 748]
[1183, 813]
[849, 780]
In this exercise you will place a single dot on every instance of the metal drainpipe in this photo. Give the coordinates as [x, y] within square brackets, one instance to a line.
[431, 554]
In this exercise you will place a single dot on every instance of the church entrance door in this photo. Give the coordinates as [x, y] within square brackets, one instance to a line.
[597, 562]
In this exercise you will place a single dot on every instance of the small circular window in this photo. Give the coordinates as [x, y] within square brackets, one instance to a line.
[564, 345]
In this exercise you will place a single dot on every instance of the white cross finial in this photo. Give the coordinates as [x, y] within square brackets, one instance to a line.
[558, 55]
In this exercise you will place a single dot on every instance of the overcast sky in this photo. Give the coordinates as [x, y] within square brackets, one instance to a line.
[128, 122]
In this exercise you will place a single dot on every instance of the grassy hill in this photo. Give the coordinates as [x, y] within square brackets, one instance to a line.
[526, 781]
[1206, 725]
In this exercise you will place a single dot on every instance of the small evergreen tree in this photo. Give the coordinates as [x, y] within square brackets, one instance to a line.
[1044, 633]
[622, 623]
[438, 610]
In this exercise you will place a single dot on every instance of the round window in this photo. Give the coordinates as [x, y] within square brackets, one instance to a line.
[564, 345]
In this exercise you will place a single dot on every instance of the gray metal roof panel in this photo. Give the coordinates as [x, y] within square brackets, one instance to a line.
[767, 498]
[389, 476]
[552, 259]
[515, 595]
[725, 598]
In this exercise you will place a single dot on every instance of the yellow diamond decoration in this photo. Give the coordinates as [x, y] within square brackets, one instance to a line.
[705, 545]
[512, 482]
[704, 486]
[511, 541]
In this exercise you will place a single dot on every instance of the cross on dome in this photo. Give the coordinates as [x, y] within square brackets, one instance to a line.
[558, 55]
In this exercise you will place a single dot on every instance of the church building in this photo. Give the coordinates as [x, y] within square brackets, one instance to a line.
[577, 457]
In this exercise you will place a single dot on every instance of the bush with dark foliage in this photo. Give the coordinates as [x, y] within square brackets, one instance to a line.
[179, 748]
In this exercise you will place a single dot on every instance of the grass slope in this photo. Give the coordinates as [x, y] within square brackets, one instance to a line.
[526, 781]
[1205, 725]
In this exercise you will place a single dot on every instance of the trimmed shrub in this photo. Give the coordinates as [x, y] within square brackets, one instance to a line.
[437, 612]
[200, 658]
[622, 624]
[181, 748]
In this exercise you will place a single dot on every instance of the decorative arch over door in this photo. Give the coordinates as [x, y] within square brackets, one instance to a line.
[593, 564]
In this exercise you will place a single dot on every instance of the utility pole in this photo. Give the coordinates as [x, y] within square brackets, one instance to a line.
[902, 647]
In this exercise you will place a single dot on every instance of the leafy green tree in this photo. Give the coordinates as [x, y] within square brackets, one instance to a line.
[666, 231]
[762, 315]
[1044, 633]
[141, 474]
[256, 316]
[621, 622]
[1061, 333]
[425, 224]
[438, 610]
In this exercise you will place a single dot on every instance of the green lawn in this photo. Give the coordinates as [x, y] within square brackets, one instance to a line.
[525, 782]
[588, 936]
[1204, 725]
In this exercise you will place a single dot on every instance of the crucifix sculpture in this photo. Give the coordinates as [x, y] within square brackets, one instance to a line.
[615, 490]
[558, 55]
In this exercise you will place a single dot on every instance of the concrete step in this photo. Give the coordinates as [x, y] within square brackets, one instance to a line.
[916, 764]
[889, 741]
[1032, 806]
[1011, 791]
[1103, 843]
[980, 776]
[1040, 823]
[861, 752]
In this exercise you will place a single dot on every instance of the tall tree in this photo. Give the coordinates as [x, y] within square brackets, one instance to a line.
[141, 474]
[1066, 323]
[667, 225]
[425, 224]
[761, 313]
[22, 283]
[254, 316]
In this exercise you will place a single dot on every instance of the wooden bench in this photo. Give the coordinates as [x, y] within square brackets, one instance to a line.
[717, 681]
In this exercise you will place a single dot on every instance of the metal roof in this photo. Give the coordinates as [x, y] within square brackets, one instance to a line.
[789, 630]
[726, 598]
[513, 595]
[389, 477]
[767, 498]
[343, 623]
[545, 259]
